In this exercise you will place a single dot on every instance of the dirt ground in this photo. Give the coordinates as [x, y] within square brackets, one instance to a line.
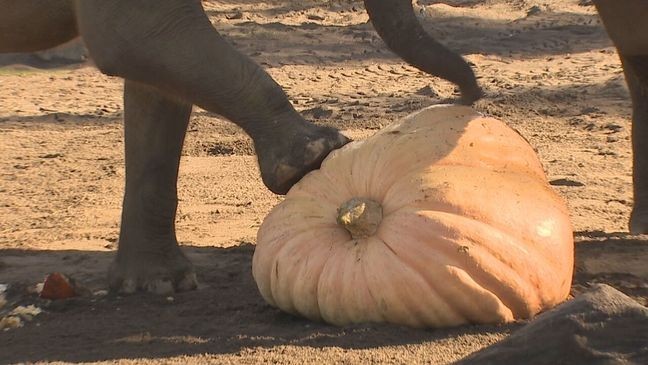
[548, 69]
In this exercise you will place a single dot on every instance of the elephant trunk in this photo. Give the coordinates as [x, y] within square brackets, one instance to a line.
[396, 23]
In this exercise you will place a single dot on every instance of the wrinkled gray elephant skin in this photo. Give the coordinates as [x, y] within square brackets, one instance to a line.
[172, 58]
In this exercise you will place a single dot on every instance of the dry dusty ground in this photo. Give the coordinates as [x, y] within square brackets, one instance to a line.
[549, 71]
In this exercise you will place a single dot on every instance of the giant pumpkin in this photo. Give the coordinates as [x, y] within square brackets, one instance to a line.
[441, 219]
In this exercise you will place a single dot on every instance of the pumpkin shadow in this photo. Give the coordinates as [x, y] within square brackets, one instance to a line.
[225, 316]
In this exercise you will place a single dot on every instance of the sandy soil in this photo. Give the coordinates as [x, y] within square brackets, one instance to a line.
[549, 71]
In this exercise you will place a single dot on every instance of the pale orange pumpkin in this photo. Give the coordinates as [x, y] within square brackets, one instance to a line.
[441, 219]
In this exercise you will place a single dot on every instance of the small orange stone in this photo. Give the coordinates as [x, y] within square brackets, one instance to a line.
[57, 286]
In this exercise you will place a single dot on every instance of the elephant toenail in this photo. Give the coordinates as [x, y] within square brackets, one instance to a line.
[314, 150]
[160, 287]
[128, 286]
[284, 174]
[188, 282]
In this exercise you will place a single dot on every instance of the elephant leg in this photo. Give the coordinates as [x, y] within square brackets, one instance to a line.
[636, 73]
[625, 24]
[396, 23]
[173, 46]
[148, 256]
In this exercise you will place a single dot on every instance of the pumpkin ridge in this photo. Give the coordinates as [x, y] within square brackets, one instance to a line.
[531, 250]
[276, 283]
[285, 212]
[295, 244]
[506, 293]
[475, 220]
[444, 163]
[476, 269]
[321, 277]
[363, 165]
[444, 208]
[413, 308]
[448, 157]
[357, 283]
[324, 275]
[450, 165]
[371, 294]
[300, 272]
[447, 308]
[385, 144]
[479, 214]
[481, 272]
[321, 179]
[440, 265]
[499, 313]
[314, 296]
[378, 173]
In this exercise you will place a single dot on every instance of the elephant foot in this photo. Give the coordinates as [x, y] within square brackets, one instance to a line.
[290, 156]
[639, 221]
[156, 272]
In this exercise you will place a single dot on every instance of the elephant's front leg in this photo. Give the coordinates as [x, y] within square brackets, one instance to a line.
[636, 73]
[148, 257]
[172, 46]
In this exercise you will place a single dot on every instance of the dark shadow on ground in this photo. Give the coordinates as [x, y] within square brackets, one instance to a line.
[547, 34]
[67, 55]
[63, 118]
[280, 8]
[225, 315]
[35, 61]
[345, 111]
[498, 102]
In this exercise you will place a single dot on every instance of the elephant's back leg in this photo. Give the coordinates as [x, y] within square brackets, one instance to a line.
[32, 25]
[626, 25]
[625, 22]
[636, 73]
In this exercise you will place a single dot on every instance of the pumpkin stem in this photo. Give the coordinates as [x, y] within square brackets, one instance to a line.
[360, 216]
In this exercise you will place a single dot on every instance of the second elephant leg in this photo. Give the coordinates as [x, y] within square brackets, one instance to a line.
[636, 73]
[148, 256]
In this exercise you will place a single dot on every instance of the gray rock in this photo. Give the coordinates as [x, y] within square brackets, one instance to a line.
[601, 326]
